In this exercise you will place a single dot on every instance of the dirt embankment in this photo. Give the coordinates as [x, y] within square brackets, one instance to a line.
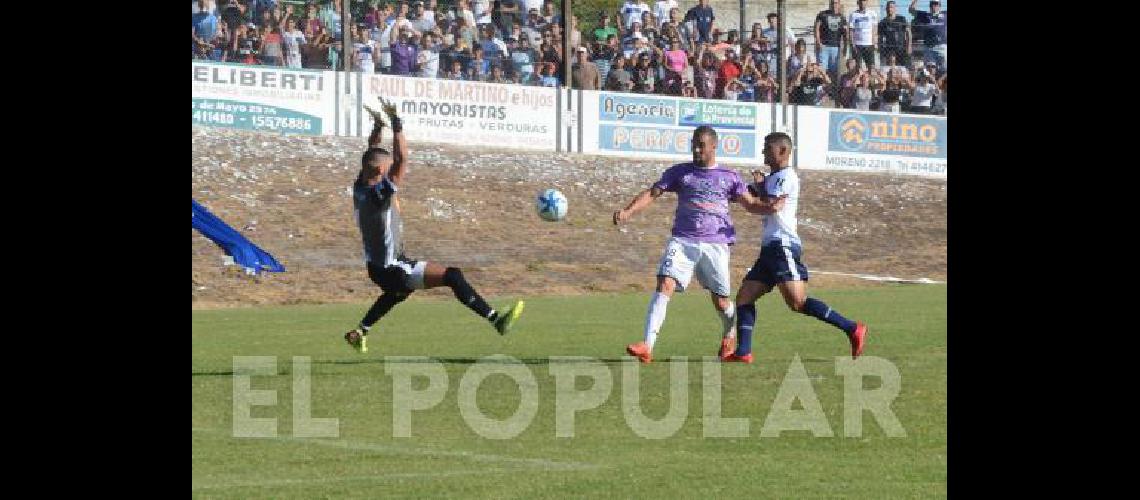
[474, 208]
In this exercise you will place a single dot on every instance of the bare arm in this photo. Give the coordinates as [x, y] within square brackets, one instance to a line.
[399, 153]
[642, 200]
[762, 205]
[818, 37]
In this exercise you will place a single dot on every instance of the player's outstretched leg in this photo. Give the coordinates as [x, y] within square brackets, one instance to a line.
[795, 295]
[436, 275]
[727, 313]
[750, 291]
[654, 318]
[358, 337]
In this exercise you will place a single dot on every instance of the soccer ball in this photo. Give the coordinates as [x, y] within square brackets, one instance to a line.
[552, 205]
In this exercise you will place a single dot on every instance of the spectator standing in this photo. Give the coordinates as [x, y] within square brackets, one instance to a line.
[631, 12]
[728, 71]
[456, 71]
[463, 11]
[312, 21]
[548, 79]
[812, 86]
[404, 54]
[891, 64]
[330, 19]
[205, 22]
[363, 51]
[847, 82]
[293, 40]
[535, 5]
[771, 33]
[933, 26]
[704, 77]
[271, 52]
[584, 75]
[429, 55]
[605, 28]
[644, 75]
[863, 26]
[894, 36]
[549, 14]
[233, 15]
[661, 10]
[522, 60]
[482, 11]
[798, 60]
[923, 94]
[703, 20]
[423, 22]
[766, 86]
[497, 75]
[479, 68]
[507, 12]
[314, 54]
[604, 55]
[549, 51]
[494, 48]
[830, 37]
[676, 60]
[619, 78]
[863, 94]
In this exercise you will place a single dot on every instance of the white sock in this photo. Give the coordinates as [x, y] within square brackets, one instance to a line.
[728, 320]
[656, 316]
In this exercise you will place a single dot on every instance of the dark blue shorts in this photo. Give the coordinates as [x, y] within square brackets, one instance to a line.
[777, 264]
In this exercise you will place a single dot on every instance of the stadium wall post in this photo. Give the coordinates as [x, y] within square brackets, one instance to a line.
[346, 41]
[580, 120]
[740, 33]
[558, 120]
[567, 55]
[781, 47]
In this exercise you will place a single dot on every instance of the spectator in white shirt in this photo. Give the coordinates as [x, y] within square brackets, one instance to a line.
[863, 29]
[661, 10]
[922, 96]
[631, 12]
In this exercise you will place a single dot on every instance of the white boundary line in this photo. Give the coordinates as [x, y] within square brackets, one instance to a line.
[892, 279]
[376, 477]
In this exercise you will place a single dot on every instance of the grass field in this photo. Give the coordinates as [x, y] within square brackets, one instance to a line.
[445, 457]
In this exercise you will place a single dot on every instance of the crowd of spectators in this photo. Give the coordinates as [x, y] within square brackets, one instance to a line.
[890, 64]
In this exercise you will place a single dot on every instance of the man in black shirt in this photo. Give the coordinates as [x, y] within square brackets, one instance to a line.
[703, 18]
[933, 29]
[830, 37]
[894, 36]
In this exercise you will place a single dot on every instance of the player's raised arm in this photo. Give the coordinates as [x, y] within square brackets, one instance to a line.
[642, 200]
[399, 144]
[755, 200]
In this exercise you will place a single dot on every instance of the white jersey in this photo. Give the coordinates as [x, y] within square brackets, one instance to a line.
[633, 11]
[781, 226]
[862, 24]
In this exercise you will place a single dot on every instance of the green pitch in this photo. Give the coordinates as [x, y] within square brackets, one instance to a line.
[605, 458]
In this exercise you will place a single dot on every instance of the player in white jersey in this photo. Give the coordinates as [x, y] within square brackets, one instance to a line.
[779, 262]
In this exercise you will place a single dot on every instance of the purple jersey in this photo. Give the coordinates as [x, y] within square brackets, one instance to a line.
[702, 201]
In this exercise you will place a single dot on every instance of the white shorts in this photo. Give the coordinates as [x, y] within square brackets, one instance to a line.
[683, 257]
[415, 270]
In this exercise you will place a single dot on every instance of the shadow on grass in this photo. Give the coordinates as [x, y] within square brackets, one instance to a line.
[501, 361]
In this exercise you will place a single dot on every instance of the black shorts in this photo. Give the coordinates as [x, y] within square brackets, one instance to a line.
[403, 276]
[778, 263]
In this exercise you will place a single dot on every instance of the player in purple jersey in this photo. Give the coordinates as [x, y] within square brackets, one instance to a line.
[702, 233]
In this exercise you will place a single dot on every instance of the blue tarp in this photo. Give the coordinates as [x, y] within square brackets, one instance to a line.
[245, 253]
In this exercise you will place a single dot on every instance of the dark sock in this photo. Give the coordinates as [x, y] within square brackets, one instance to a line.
[453, 278]
[381, 307]
[818, 310]
[745, 320]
